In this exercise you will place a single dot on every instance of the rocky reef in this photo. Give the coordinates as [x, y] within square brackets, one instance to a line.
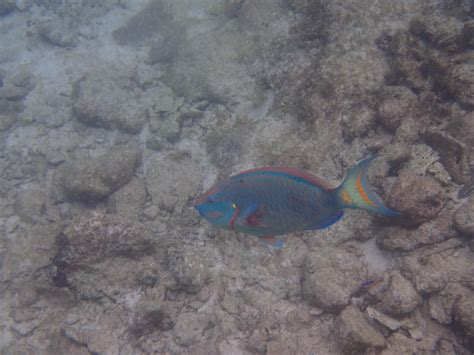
[115, 115]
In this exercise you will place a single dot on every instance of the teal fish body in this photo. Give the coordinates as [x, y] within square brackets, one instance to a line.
[280, 200]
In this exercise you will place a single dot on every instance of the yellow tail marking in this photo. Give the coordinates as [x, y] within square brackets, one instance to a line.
[346, 197]
[362, 193]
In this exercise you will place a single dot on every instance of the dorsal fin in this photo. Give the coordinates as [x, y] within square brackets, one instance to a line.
[292, 172]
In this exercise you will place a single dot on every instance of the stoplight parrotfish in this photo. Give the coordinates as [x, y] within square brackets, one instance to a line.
[274, 201]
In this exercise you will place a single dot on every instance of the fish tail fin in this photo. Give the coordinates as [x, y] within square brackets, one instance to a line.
[354, 192]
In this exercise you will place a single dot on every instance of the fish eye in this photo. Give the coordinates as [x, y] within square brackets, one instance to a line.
[210, 199]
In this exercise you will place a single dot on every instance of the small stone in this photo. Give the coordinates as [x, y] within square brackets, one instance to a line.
[464, 318]
[102, 100]
[190, 270]
[155, 143]
[398, 104]
[173, 180]
[152, 19]
[190, 328]
[29, 204]
[464, 218]
[398, 238]
[383, 319]
[358, 122]
[453, 153]
[355, 332]
[128, 201]
[93, 180]
[12, 224]
[57, 33]
[150, 212]
[417, 198]
[331, 277]
[164, 100]
[468, 34]
[442, 31]
[400, 298]
[440, 308]
[460, 82]
[98, 237]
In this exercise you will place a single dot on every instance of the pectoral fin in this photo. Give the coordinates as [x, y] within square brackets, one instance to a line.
[273, 241]
[252, 216]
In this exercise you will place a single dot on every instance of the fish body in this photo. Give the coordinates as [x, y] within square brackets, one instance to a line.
[274, 201]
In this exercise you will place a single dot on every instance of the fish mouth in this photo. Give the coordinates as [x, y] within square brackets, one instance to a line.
[199, 209]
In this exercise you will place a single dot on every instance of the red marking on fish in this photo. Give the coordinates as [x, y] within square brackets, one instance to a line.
[234, 217]
[254, 218]
[215, 214]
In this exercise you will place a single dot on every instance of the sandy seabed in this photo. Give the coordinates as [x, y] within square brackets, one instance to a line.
[115, 115]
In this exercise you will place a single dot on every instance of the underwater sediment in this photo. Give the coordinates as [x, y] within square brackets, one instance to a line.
[115, 115]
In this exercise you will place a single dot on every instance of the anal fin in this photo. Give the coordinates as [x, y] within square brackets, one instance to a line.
[273, 241]
[327, 222]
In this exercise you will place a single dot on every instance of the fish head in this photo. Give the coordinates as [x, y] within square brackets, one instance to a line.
[216, 207]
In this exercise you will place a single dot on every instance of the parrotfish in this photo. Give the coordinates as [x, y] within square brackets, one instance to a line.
[274, 201]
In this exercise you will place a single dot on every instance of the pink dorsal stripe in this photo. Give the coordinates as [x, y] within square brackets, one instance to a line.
[294, 172]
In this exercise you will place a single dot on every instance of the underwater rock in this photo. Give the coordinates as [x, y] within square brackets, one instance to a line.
[173, 180]
[150, 21]
[355, 332]
[128, 201]
[468, 34]
[330, 277]
[460, 82]
[57, 33]
[90, 240]
[17, 86]
[398, 103]
[464, 218]
[383, 319]
[463, 314]
[155, 143]
[29, 204]
[357, 122]
[103, 101]
[93, 180]
[444, 32]
[167, 128]
[409, 130]
[7, 6]
[425, 161]
[189, 269]
[163, 100]
[400, 298]
[441, 304]
[453, 153]
[190, 327]
[397, 238]
[396, 154]
[417, 198]
[432, 269]
[165, 49]
[105, 257]
[7, 121]
[151, 321]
